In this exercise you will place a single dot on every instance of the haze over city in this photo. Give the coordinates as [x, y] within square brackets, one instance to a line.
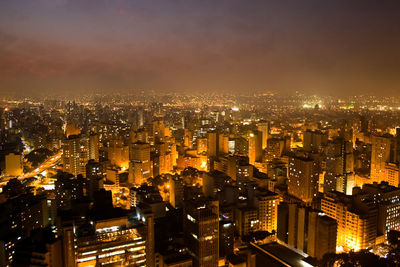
[323, 47]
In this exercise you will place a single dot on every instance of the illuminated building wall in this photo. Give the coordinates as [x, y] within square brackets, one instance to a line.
[118, 154]
[246, 220]
[140, 166]
[188, 138]
[223, 144]
[387, 198]
[264, 129]
[339, 167]
[303, 178]
[382, 152]
[267, 203]
[212, 144]
[306, 229]
[76, 154]
[255, 147]
[392, 171]
[314, 140]
[322, 232]
[94, 177]
[176, 192]
[201, 145]
[201, 232]
[94, 147]
[226, 238]
[356, 218]
[113, 242]
[13, 165]
[274, 148]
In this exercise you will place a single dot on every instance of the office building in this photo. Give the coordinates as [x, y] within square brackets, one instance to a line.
[357, 219]
[255, 147]
[140, 166]
[303, 178]
[201, 232]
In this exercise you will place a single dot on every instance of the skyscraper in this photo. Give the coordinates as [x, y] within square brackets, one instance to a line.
[212, 144]
[384, 150]
[201, 232]
[306, 229]
[267, 203]
[356, 216]
[313, 141]
[77, 150]
[94, 177]
[303, 178]
[140, 167]
[255, 147]
[264, 129]
[339, 166]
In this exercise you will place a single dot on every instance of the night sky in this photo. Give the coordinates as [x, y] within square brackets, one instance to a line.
[327, 47]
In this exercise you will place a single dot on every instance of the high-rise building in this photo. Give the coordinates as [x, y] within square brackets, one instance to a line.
[387, 199]
[42, 248]
[226, 238]
[267, 203]
[13, 165]
[188, 138]
[118, 154]
[264, 129]
[158, 130]
[274, 149]
[68, 188]
[246, 220]
[313, 141]
[176, 191]
[201, 145]
[393, 173]
[306, 229]
[212, 144]
[339, 173]
[110, 241]
[322, 232]
[223, 144]
[140, 166]
[255, 147]
[356, 216]
[94, 177]
[303, 178]
[201, 232]
[76, 153]
[94, 147]
[384, 150]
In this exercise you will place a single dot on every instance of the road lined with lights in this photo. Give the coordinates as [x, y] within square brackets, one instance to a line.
[43, 167]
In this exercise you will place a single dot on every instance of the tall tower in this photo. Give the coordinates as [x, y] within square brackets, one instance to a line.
[94, 177]
[303, 178]
[255, 147]
[76, 152]
[201, 232]
[383, 151]
[212, 144]
[94, 147]
[268, 210]
[140, 167]
[264, 129]
[339, 167]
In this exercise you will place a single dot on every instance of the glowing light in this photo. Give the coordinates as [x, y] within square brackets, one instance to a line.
[235, 109]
